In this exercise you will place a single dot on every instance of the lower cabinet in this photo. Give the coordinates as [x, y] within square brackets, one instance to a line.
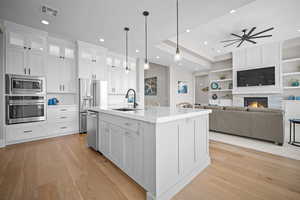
[61, 120]
[123, 147]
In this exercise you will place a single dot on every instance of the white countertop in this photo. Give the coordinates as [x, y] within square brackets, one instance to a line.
[154, 114]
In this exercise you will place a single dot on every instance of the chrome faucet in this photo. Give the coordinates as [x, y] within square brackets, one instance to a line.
[134, 97]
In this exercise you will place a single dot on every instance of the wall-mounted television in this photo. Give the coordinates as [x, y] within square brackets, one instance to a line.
[256, 77]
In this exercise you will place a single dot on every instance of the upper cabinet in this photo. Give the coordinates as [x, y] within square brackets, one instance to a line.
[257, 56]
[25, 50]
[119, 79]
[91, 61]
[61, 66]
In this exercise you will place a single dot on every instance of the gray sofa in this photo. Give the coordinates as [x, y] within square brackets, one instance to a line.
[259, 123]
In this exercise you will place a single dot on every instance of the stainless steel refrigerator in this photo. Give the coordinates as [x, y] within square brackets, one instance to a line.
[92, 93]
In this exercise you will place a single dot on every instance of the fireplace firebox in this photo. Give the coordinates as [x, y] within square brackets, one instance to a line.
[256, 102]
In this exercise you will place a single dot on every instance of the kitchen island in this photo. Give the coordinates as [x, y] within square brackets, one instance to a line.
[162, 149]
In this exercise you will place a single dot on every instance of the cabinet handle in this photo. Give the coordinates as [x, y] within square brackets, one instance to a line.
[29, 71]
[63, 86]
[29, 48]
[63, 117]
[127, 124]
[24, 70]
[127, 133]
[64, 127]
[29, 131]
[63, 109]
[59, 87]
[25, 47]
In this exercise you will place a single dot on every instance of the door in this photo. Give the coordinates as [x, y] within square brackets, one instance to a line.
[116, 145]
[16, 61]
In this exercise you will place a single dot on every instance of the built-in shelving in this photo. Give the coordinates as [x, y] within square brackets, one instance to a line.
[221, 70]
[222, 90]
[290, 60]
[291, 87]
[291, 74]
[222, 80]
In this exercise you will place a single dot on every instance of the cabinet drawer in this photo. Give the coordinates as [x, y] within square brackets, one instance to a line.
[129, 124]
[62, 117]
[62, 127]
[23, 132]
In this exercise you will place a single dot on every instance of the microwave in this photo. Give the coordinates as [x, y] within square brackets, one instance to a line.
[24, 84]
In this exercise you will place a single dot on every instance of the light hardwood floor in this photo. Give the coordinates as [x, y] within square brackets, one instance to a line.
[65, 169]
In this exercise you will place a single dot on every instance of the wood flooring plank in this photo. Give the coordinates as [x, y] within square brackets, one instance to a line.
[65, 168]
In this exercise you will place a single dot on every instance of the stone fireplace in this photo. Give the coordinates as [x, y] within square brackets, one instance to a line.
[256, 102]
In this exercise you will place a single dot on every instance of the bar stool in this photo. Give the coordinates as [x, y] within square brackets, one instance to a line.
[293, 123]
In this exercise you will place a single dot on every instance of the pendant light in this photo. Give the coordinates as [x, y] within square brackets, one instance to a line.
[126, 29]
[146, 64]
[177, 56]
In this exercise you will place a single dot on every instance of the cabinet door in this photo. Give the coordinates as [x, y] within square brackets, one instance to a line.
[69, 75]
[85, 64]
[105, 138]
[133, 157]
[15, 61]
[116, 145]
[54, 67]
[253, 57]
[16, 40]
[98, 69]
[35, 63]
[131, 80]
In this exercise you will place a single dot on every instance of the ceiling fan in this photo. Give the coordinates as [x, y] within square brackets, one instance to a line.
[248, 37]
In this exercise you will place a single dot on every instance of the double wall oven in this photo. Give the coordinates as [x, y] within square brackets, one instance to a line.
[25, 98]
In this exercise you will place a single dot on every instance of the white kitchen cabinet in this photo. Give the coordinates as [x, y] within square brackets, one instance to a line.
[62, 119]
[133, 154]
[91, 61]
[25, 51]
[104, 138]
[120, 80]
[25, 132]
[116, 145]
[61, 69]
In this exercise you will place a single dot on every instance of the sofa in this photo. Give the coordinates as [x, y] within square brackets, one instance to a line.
[258, 123]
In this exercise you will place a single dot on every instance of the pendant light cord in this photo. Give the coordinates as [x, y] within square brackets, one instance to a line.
[126, 49]
[177, 18]
[146, 39]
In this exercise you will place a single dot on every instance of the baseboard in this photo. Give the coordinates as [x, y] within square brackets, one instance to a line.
[171, 192]
[2, 143]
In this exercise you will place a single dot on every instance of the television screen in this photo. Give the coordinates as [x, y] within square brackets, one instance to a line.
[256, 77]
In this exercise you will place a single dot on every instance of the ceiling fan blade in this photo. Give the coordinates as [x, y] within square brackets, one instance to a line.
[248, 40]
[269, 29]
[251, 31]
[236, 35]
[263, 36]
[232, 43]
[240, 43]
[230, 40]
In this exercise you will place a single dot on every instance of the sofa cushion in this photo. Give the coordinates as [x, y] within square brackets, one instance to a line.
[272, 110]
[214, 107]
[235, 108]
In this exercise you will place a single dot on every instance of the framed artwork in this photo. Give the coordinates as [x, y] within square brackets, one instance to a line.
[151, 86]
[182, 87]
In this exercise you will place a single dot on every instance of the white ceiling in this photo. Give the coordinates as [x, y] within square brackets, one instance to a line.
[282, 15]
[88, 20]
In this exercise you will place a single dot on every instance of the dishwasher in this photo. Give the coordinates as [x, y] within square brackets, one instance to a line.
[93, 130]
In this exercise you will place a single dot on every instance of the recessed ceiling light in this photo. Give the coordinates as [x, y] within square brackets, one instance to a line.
[298, 30]
[219, 51]
[137, 51]
[232, 11]
[188, 30]
[157, 57]
[101, 40]
[45, 22]
[205, 42]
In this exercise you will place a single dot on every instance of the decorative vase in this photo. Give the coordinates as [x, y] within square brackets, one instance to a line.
[295, 83]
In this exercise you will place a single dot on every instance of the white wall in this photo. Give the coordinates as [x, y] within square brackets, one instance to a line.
[162, 74]
[201, 82]
[179, 74]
